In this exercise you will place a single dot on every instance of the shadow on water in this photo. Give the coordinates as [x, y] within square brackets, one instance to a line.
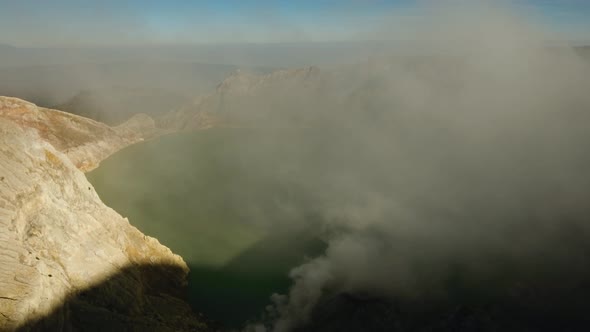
[215, 198]
[239, 290]
[151, 298]
[136, 298]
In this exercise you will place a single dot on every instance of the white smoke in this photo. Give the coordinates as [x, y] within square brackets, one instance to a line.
[484, 145]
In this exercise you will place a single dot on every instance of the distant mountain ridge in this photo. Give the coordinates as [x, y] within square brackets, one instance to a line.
[116, 105]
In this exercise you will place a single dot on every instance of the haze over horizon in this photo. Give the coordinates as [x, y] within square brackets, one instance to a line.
[66, 23]
[318, 166]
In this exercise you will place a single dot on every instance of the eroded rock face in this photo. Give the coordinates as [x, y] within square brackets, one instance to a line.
[84, 141]
[67, 260]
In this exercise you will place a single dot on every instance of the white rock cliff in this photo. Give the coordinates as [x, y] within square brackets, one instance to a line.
[67, 261]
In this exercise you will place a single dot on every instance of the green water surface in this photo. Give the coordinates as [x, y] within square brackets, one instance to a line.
[231, 202]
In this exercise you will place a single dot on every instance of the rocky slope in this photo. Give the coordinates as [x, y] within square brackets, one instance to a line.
[84, 141]
[67, 261]
[245, 97]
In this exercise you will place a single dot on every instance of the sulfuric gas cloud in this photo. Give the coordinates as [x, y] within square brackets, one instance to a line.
[452, 179]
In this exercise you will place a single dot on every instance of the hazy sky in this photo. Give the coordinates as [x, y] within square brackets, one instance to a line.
[124, 22]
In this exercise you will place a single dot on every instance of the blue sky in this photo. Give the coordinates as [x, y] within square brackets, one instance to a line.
[123, 22]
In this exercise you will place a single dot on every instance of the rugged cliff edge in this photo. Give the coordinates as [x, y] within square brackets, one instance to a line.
[84, 141]
[67, 261]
